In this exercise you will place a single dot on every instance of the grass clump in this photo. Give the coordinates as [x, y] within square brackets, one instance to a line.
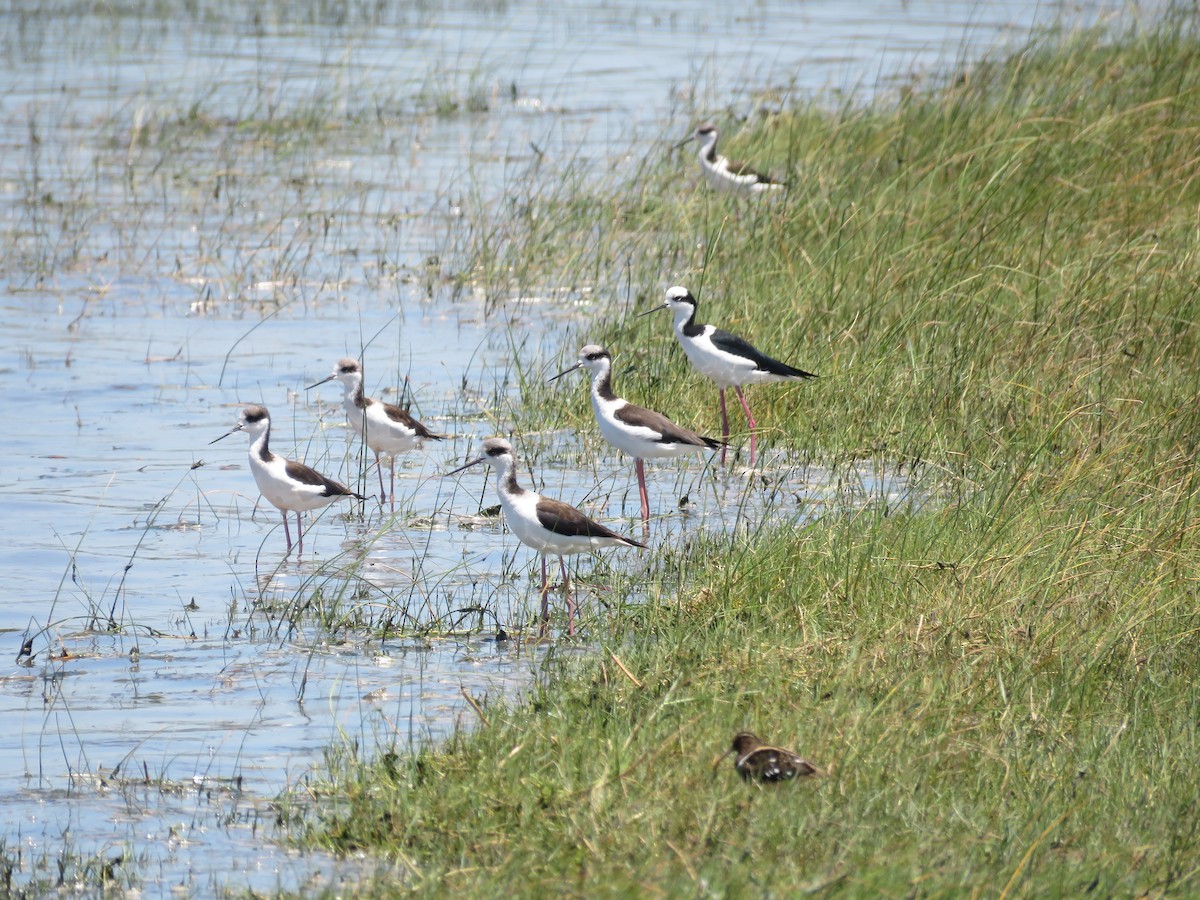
[26, 874]
[976, 733]
[997, 279]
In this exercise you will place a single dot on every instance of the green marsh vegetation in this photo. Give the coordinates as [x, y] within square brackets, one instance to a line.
[66, 871]
[996, 278]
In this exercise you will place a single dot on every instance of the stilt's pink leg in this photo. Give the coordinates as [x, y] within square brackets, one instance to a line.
[570, 602]
[641, 474]
[545, 597]
[379, 469]
[299, 536]
[287, 534]
[724, 426]
[753, 424]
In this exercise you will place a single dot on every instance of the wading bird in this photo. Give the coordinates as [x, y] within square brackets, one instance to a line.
[642, 433]
[545, 525]
[724, 358]
[386, 429]
[728, 174]
[287, 485]
[756, 761]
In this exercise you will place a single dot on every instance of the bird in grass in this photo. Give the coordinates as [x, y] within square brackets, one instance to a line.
[386, 429]
[724, 358]
[642, 433]
[545, 525]
[727, 174]
[288, 485]
[756, 761]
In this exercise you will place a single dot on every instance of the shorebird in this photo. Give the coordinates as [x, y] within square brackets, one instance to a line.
[756, 761]
[287, 485]
[386, 429]
[728, 174]
[545, 525]
[724, 358]
[642, 433]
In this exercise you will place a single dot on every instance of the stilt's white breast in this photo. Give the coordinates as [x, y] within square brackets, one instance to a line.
[354, 415]
[720, 176]
[382, 434]
[520, 512]
[385, 435]
[637, 442]
[726, 369]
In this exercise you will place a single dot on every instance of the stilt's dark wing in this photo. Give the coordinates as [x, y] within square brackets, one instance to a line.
[742, 170]
[774, 764]
[298, 471]
[731, 343]
[561, 518]
[669, 432]
[400, 416]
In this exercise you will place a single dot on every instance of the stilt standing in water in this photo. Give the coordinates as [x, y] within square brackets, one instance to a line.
[547, 526]
[385, 428]
[287, 485]
[642, 433]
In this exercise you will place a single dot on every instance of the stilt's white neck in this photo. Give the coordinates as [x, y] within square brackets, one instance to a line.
[602, 381]
[260, 437]
[506, 475]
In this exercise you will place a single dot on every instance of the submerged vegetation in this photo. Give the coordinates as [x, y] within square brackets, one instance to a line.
[996, 278]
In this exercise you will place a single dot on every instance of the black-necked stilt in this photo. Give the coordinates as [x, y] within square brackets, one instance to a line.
[727, 174]
[756, 761]
[545, 525]
[642, 433]
[725, 358]
[386, 429]
[287, 485]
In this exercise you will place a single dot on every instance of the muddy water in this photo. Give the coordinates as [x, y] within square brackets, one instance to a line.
[161, 267]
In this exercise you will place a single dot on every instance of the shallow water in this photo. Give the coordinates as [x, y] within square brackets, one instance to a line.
[152, 285]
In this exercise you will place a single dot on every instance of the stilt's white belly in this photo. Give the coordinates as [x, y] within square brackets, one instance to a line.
[723, 368]
[383, 435]
[520, 513]
[281, 491]
[640, 443]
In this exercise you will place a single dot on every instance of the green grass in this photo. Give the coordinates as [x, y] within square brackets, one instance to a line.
[997, 280]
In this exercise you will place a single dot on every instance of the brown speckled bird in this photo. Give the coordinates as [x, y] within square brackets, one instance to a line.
[756, 761]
